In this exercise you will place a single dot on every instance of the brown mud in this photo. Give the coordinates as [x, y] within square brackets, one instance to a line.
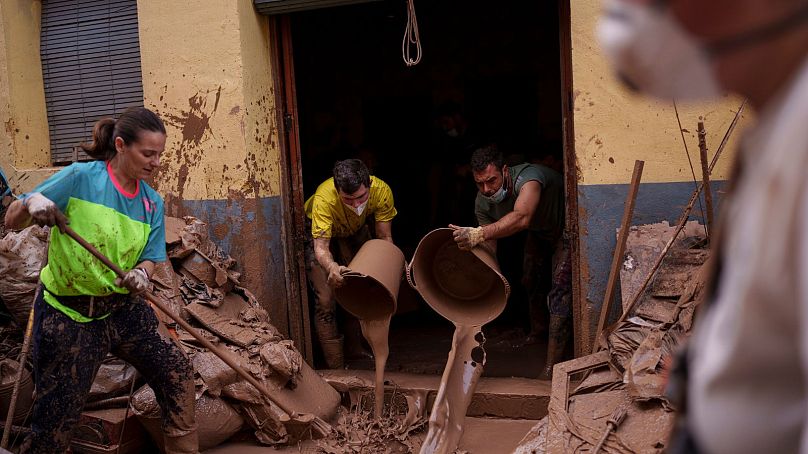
[467, 288]
[370, 293]
[463, 370]
[376, 332]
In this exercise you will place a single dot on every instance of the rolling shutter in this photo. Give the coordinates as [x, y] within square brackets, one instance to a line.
[91, 68]
[290, 6]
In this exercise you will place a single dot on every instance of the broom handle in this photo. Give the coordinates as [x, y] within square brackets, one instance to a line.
[187, 327]
[26, 345]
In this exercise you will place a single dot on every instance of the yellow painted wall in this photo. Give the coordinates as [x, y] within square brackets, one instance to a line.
[25, 147]
[206, 71]
[613, 124]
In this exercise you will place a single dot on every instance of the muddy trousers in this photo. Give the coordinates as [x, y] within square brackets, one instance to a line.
[325, 306]
[67, 355]
[559, 304]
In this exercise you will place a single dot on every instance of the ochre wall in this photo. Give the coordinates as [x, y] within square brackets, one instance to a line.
[613, 128]
[24, 148]
[206, 71]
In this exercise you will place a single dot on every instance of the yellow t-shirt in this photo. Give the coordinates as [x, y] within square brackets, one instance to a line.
[330, 218]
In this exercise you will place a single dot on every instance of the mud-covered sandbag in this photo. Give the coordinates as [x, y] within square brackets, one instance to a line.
[22, 256]
[114, 378]
[216, 420]
[25, 396]
[283, 358]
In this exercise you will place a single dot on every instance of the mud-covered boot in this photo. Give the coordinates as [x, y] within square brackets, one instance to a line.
[331, 343]
[556, 344]
[332, 352]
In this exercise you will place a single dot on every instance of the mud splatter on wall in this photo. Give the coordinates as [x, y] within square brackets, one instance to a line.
[24, 139]
[206, 69]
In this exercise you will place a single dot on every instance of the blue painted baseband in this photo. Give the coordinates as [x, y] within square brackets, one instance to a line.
[602, 210]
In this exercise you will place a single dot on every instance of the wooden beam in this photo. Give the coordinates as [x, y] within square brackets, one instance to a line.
[619, 250]
[705, 174]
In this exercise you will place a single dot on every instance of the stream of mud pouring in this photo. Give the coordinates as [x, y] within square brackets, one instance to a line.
[376, 332]
[457, 385]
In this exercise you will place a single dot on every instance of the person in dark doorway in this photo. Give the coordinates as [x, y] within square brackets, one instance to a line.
[526, 197]
[448, 183]
[345, 211]
[745, 369]
[82, 312]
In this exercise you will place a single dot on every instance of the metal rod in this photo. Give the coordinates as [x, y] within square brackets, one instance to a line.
[26, 345]
[705, 175]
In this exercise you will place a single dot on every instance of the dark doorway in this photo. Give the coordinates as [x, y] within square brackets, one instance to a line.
[497, 67]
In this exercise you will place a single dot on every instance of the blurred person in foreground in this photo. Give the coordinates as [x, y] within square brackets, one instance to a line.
[746, 368]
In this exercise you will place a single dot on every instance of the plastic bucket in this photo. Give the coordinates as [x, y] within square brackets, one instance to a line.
[371, 287]
[466, 287]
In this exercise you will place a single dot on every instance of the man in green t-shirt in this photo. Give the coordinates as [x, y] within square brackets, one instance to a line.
[526, 197]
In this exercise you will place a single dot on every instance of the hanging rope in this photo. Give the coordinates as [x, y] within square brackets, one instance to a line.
[411, 37]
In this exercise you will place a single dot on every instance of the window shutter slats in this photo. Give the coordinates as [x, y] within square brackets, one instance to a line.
[91, 68]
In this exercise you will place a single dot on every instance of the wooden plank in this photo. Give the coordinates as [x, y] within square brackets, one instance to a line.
[705, 174]
[559, 396]
[619, 250]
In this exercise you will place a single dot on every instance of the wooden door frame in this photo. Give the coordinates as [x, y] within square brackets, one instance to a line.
[580, 324]
[294, 216]
[292, 181]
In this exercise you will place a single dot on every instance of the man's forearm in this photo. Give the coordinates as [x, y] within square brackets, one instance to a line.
[512, 223]
[322, 254]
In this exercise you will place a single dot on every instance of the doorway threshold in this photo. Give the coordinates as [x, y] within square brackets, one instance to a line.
[495, 397]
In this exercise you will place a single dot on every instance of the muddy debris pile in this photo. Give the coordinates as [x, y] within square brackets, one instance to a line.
[626, 376]
[357, 431]
[200, 284]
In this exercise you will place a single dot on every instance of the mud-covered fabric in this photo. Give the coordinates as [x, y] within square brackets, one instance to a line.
[125, 227]
[547, 275]
[67, 355]
[325, 306]
[330, 218]
[548, 219]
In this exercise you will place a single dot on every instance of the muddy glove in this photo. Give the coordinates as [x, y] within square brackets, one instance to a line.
[467, 237]
[136, 280]
[43, 211]
[335, 278]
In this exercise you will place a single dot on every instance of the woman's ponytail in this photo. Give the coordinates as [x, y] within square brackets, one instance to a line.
[102, 147]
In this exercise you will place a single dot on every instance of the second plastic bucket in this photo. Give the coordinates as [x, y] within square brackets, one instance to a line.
[466, 287]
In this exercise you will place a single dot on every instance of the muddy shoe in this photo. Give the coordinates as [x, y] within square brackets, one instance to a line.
[332, 351]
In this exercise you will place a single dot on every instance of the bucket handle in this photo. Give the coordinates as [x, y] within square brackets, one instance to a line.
[410, 277]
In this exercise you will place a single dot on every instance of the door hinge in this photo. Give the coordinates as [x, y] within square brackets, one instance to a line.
[287, 121]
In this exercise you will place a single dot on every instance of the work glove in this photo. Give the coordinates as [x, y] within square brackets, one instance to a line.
[467, 237]
[43, 211]
[136, 280]
[335, 278]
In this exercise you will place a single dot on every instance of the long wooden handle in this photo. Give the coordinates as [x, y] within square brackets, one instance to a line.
[224, 356]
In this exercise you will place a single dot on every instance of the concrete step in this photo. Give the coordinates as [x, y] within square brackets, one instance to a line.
[481, 436]
[495, 397]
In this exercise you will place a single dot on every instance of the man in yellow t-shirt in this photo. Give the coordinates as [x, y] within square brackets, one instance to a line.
[342, 212]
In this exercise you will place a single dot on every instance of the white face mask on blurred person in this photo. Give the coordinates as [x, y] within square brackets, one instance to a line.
[655, 55]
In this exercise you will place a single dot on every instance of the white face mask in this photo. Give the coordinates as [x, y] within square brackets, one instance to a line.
[359, 209]
[654, 54]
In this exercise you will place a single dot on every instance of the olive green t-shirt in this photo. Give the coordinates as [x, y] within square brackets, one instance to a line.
[548, 219]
